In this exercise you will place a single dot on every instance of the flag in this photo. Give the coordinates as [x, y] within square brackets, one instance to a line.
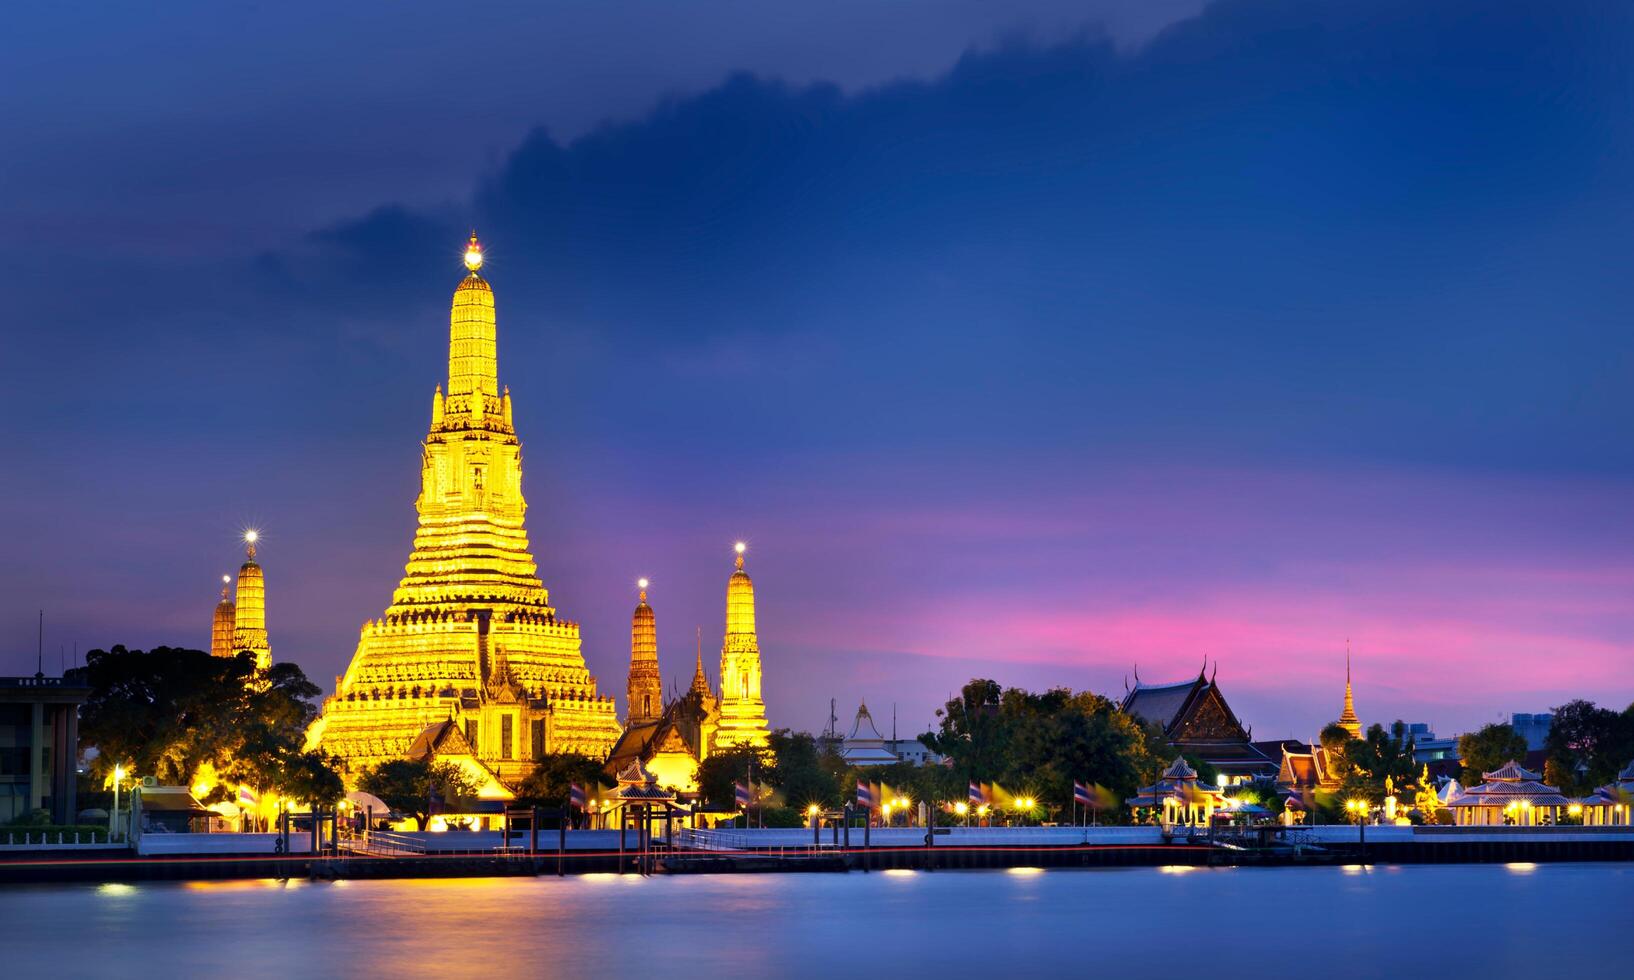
[865, 795]
[743, 795]
[246, 796]
[575, 795]
[977, 796]
[1081, 794]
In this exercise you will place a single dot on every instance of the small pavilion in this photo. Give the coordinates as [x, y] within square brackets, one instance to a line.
[1510, 795]
[1183, 797]
[1611, 804]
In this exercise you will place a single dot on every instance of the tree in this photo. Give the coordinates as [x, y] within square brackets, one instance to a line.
[1377, 757]
[171, 712]
[720, 771]
[1489, 748]
[548, 784]
[1040, 743]
[408, 786]
[310, 777]
[1588, 745]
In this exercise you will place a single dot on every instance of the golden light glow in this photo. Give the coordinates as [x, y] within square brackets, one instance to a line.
[740, 547]
[1024, 872]
[641, 582]
[225, 579]
[1574, 809]
[961, 808]
[470, 661]
[252, 536]
[813, 810]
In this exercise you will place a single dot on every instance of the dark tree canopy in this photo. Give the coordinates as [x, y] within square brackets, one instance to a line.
[409, 786]
[1487, 749]
[548, 783]
[168, 711]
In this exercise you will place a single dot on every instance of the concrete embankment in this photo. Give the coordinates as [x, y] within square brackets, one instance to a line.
[223, 856]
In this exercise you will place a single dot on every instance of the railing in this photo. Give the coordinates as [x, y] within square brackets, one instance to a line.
[710, 840]
[43, 839]
[384, 843]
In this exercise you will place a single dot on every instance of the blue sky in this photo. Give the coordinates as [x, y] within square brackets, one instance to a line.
[1026, 344]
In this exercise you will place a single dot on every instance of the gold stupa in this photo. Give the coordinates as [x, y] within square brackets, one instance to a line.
[250, 612]
[221, 624]
[742, 711]
[470, 660]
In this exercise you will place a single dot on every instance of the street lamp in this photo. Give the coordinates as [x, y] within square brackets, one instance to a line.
[1359, 808]
[113, 818]
[963, 809]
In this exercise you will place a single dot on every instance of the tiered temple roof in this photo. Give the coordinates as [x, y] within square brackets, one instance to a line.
[1195, 717]
[470, 634]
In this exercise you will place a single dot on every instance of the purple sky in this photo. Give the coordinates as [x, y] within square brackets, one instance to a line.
[1031, 345]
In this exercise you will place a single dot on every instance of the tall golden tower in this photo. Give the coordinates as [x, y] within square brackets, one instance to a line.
[221, 626]
[470, 654]
[250, 611]
[1347, 718]
[742, 712]
[646, 690]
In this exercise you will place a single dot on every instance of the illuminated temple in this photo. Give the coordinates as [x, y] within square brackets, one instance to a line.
[242, 625]
[470, 660]
[669, 739]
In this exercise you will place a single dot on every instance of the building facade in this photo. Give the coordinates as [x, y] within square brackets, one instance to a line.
[39, 746]
[470, 635]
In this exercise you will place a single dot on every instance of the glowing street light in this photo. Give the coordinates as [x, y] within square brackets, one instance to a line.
[113, 818]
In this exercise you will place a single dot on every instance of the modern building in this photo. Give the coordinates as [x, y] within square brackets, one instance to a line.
[1532, 727]
[913, 752]
[39, 746]
[1427, 747]
[470, 635]
[1196, 719]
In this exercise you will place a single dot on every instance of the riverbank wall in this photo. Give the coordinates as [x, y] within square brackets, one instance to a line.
[226, 856]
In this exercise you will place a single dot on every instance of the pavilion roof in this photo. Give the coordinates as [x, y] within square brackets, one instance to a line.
[1511, 771]
[1179, 769]
[1507, 792]
[1627, 775]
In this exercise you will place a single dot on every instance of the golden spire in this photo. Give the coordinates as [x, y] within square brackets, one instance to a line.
[221, 625]
[1347, 718]
[472, 368]
[743, 713]
[645, 687]
[250, 613]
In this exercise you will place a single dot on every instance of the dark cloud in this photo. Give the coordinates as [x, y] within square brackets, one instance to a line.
[1310, 240]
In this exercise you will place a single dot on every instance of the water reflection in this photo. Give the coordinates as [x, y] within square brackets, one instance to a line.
[952, 923]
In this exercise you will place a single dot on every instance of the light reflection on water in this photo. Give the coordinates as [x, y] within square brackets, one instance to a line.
[946, 923]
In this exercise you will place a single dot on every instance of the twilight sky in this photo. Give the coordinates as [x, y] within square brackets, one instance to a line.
[1028, 343]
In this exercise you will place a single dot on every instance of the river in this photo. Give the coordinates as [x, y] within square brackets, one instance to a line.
[1444, 921]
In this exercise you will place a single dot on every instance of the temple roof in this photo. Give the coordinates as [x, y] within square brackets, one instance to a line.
[1627, 775]
[1160, 703]
[864, 718]
[1510, 771]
